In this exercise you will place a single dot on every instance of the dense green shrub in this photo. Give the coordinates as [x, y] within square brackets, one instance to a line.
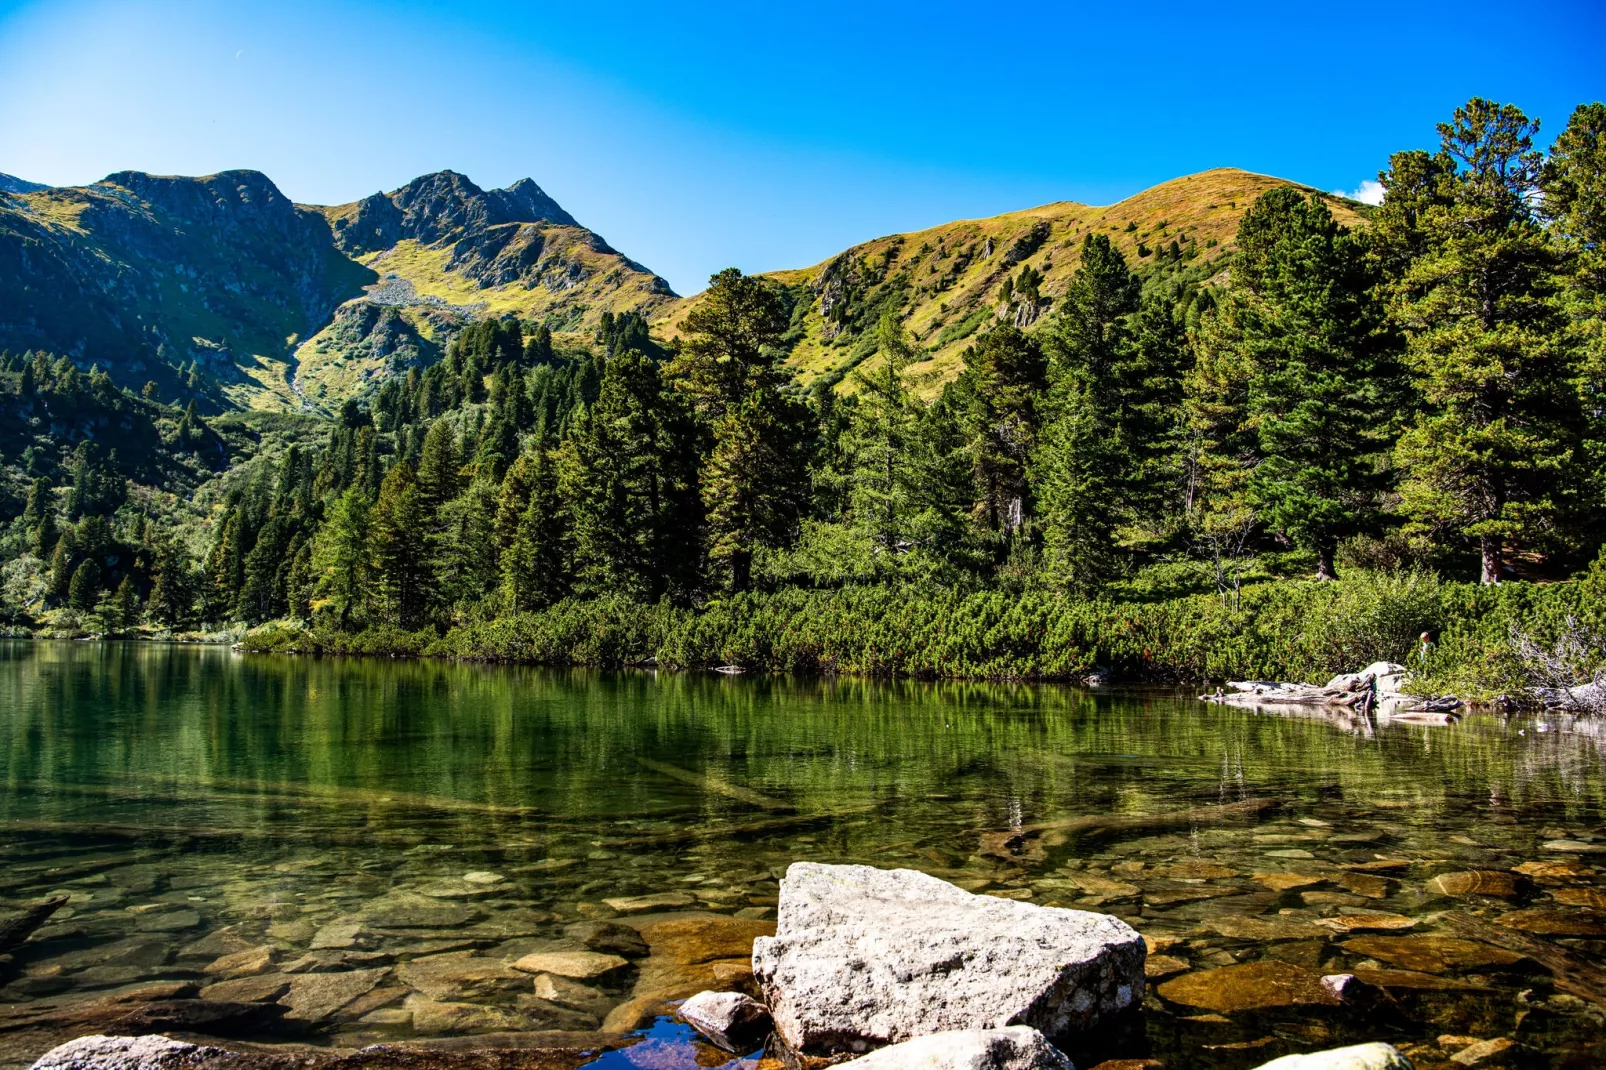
[1292, 630]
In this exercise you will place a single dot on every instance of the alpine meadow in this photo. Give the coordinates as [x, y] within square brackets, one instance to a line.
[1229, 427]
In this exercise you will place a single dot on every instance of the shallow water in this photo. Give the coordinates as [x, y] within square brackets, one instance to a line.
[322, 814]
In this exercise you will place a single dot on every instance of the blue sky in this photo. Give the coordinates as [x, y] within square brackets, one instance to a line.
[763, 135]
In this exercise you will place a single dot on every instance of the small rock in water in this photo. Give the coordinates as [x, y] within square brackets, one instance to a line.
[1475, 882]
[242, 963]
[170, 922]
[125, 1053]
[1578, 847]
[1481, 1052]
[339, 934]
[434, 1017]
[1249, 987]
[927, 957]
[731, 1020]
[1431, 954]
[314, 997]
[480, 876]
[266, 988]
[457, 977]
[608, 936]
[1582, 897]
[1555, 921]
[1374, 1056]
[1015, 1047]
[576, 965]
[1367, 921]
[642, 904]
[1283, 882]
[567, 993]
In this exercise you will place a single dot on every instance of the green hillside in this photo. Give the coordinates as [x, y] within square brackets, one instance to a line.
[947, 281]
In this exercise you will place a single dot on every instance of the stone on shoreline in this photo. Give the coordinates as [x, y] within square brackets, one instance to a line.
[864, 957]
[1016, 1047]
[1374, 1056]
[731, 1020]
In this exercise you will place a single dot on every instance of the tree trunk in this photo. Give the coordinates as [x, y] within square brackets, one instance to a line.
[1492, 559]
[1324, 562]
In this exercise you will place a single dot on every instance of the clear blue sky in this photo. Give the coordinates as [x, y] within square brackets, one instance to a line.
[695, 136]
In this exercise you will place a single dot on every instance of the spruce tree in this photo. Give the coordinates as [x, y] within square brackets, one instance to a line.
[998, 394]
[84, 588]
[535, 568]
[398, 552]
[1490, 454]
[884, 483]
[340, 559]
[1297, 336]
[1574, 183]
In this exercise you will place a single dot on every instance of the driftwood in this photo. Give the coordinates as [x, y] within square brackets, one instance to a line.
[1572, 974]
[717, 784]
[15, 931]
[1014, 841]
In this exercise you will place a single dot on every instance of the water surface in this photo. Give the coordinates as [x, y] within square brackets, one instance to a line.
[195, 803]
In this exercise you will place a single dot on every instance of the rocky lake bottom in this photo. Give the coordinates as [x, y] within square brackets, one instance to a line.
[330, 854]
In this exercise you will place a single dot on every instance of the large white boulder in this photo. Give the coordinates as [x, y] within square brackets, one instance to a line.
[1374, 1056]
[865, 957]
[154, 1052]
[1015, 1047]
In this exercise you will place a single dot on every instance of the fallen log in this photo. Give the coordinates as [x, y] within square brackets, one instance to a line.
[1063, 830]
[716, 784]
[15, 931]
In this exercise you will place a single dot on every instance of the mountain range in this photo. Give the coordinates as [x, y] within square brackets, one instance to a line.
[223, 288]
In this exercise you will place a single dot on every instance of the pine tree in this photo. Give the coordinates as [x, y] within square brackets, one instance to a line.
[398, 554]
[84, 589]
[39, 518]
[1490, 454]
[1305, 395]
[884, 483]
[997, 394]
[172, 598]
[61, 561]
[124, 609]
[730, 344]
[439, 467]
[340, 559]
[1574, 183]
[1078, 461]
[535, 568]
[755, 483]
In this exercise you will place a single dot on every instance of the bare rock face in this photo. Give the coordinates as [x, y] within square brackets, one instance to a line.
[864, 957]
[125, 1053]
[1015, 1047]
[1374, 1056]
[731, 1020]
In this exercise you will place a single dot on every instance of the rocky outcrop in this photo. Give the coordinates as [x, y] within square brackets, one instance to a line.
[864, 957]
[1375, 1056]
[1379, 689]
[1015, 1047]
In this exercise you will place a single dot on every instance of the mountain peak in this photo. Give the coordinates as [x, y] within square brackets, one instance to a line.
[437, 207]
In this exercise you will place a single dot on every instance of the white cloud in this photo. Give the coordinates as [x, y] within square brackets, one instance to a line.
[1369, 192]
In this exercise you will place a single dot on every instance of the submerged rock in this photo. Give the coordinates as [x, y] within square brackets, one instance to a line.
[864, 957]
[1374, 1056]
[576, 965]
[1250, 987]
[731, 1020]
[1015, 1047]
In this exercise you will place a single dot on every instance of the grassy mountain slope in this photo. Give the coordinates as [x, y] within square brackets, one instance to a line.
[283, 306]
[946, 281]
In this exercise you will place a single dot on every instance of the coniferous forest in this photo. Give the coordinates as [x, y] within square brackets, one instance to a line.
[1347, 436]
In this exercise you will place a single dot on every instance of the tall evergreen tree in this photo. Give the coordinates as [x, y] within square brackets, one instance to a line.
[998, 395]
[1305, 383]
[399, 555]
[535, 568]
[1489, 456]
[340, 560]
[885, 489]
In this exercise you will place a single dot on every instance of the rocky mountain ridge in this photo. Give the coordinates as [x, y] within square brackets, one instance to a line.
[222, 289]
